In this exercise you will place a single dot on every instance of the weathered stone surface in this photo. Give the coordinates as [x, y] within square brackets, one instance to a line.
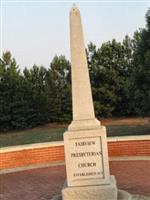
[122, 195]
[86, 157]
[81, 90]
[95, 192]
[140, 197]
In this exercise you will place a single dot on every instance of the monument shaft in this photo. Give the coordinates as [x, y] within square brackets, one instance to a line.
[81, 89]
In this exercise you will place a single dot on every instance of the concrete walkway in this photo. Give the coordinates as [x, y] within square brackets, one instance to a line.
[42, 184]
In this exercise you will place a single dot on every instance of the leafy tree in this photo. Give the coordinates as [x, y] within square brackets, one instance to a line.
[140, 78]
[35, 97]
[9, 86]
[59, 83]
[109, 68]
[34, 89]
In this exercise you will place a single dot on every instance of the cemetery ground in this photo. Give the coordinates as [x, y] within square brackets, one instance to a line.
[54, 132]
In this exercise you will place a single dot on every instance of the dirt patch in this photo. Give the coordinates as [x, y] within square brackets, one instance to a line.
[51, 126]
[107, 121]
[126, 121]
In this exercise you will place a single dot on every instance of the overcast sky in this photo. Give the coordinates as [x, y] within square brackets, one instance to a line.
[35, 31]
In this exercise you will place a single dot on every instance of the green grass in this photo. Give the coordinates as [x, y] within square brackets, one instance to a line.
[56, 134]
[31, 136]
[128, 130]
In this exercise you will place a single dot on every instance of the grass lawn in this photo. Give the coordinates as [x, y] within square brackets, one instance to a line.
[31, 136]
[48, 133]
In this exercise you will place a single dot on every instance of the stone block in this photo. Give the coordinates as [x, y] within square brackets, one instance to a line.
[86, 157]
[95, 192]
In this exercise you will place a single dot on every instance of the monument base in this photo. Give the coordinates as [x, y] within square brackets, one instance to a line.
[97, 193]
[102, 192]
[122, 195]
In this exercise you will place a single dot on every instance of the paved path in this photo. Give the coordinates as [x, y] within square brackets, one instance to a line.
[43, 184]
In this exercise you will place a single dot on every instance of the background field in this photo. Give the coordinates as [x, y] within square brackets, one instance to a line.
[54, 132]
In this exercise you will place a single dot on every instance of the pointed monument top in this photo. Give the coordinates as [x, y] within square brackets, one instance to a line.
[74, 8]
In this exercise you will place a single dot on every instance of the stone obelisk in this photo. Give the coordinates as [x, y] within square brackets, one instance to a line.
[85, 141]
[83, 110]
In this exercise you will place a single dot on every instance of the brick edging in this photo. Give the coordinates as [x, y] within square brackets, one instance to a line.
[51, 152]
[60, 143]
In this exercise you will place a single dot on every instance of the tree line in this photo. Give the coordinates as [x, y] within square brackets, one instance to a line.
[119, 74]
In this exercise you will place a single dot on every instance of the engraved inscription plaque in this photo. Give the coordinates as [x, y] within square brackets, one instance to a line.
[86, 158]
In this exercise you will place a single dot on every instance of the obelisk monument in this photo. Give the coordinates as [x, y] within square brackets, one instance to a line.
[83, 111]
[85, 141]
